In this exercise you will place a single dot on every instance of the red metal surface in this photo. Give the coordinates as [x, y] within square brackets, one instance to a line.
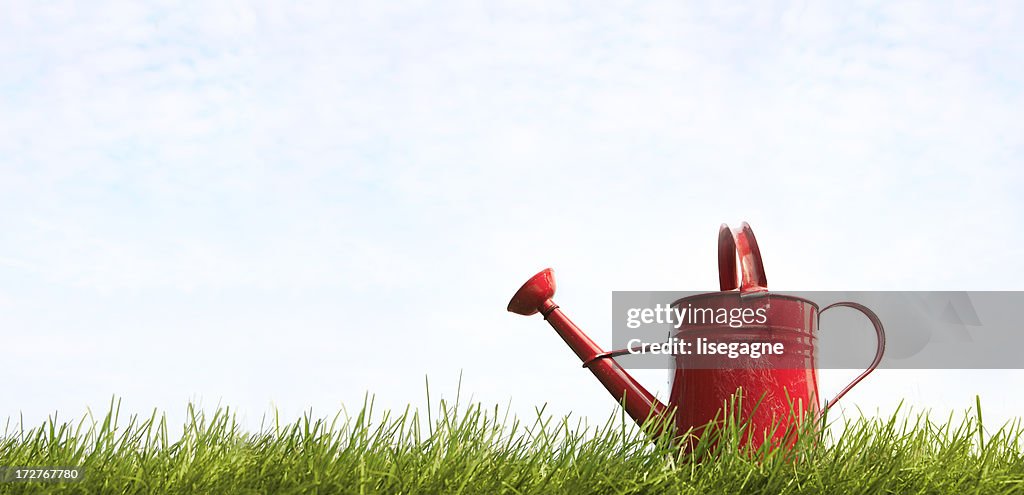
[740, 243]
[879, 351]
[726, 259]
[535, 296]
[775, 390]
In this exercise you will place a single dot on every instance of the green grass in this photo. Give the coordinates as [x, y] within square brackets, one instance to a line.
[473, 449]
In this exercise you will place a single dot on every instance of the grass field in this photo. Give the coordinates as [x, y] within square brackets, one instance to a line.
[482, 450]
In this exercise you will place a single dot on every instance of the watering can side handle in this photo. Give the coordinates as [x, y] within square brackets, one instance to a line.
[742, 244]
[879, 332]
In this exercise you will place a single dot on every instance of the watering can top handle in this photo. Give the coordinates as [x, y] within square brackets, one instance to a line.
[740, 243]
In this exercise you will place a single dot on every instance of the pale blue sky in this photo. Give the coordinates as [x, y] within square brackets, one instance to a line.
[240, 201]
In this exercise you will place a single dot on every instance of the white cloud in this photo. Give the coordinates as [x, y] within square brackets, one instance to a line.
[418, 154]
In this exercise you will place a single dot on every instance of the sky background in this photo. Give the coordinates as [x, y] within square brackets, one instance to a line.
[268, 204]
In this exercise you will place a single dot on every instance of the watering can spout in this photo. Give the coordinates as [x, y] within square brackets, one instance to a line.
[535, 297]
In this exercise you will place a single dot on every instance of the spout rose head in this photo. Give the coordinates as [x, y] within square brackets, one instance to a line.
[533, 293]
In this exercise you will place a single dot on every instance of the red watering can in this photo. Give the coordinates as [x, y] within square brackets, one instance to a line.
[777, 390]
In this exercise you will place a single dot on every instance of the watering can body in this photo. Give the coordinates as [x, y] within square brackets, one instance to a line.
[770, 393]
